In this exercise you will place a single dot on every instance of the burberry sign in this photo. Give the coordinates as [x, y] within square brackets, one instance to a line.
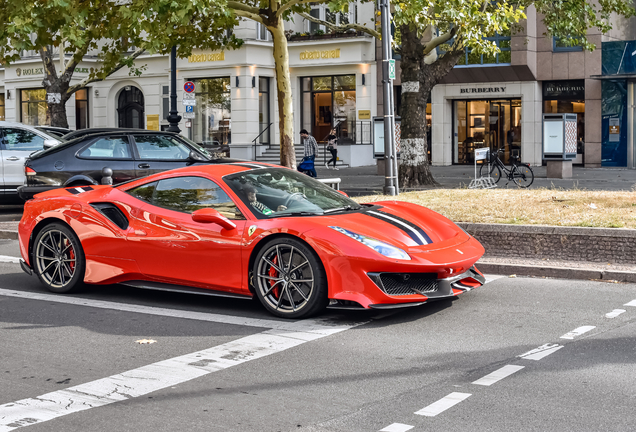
[483, 90]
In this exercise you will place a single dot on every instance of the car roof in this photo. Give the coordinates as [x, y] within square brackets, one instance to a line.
[96, 131]
[27, 127]
[208, 170]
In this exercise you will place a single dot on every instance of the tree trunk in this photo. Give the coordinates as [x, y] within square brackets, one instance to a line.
[56, 89]
[283, 88]
[418, 79]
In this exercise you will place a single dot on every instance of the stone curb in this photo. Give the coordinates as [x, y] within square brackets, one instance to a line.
[550, 230]
[8, 235]
[556, 272]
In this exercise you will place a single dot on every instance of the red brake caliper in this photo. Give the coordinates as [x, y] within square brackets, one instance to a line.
[273, 273]
[71, 254]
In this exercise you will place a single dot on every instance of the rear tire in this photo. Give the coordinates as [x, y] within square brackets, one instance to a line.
[297, 288]
[58, 259]
[523, 176]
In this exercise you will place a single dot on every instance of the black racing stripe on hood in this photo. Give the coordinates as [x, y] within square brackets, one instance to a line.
[418, 235]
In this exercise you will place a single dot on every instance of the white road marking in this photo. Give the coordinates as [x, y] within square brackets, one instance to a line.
[631, 303]
[397, 427]
[318, 325]
[9, 259]
[615, 313]
[443, 404]
[577, 332]
[541, 352]
[138, 382]
[498, 375]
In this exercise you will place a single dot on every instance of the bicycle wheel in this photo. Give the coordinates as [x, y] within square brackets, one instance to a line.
[522, 175]
[495, 172]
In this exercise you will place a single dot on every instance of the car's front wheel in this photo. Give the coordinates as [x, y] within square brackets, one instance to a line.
[289, 279]
[58, 258]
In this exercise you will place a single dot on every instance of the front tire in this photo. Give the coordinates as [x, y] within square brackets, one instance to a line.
[523, 176]
[289, 279]
[58, 259]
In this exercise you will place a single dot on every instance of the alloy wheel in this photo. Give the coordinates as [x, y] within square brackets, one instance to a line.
[55, 259]
[285, 278]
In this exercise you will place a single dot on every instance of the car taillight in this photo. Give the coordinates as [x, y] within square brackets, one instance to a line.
[29, 171]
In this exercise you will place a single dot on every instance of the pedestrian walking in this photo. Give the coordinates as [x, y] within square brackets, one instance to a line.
[311, 147]
[332, 146]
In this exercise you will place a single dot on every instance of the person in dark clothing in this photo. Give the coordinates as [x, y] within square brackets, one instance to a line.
[251, 197]
[332, 146]
[311, 147]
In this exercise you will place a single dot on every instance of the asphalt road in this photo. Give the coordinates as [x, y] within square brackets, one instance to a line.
[73, 363]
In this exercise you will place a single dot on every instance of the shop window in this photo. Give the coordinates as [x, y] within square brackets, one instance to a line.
[81, 109]
[560, 46]
[329, 101]
[567, 97]
[34, 110]
[495, 124]
[263, 110]
[502, 41]
[1, 106]
[213, 120]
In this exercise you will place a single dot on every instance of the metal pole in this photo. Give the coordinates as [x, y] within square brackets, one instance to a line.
[389, 174]
[173, 117]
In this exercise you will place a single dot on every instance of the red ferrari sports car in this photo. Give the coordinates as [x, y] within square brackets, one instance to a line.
[244, 230]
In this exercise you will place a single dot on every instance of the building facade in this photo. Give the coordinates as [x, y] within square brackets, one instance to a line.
[499, 101]
[235, 90]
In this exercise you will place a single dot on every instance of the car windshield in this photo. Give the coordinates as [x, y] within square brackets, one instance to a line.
[198, 148]
[278, 192]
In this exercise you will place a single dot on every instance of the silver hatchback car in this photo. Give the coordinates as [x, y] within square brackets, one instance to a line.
[17, 142]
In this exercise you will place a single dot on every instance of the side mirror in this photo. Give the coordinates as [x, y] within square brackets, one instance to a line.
[194, 156]
[208, 215]
[48, 143]
[344, 193]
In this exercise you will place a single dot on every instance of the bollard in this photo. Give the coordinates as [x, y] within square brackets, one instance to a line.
[107, 176]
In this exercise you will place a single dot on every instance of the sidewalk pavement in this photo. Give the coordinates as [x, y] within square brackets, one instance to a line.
[366, 181]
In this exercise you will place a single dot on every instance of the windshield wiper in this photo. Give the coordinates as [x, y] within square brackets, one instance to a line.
[345, 208]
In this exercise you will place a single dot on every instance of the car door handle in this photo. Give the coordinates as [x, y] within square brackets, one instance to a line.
[143, 165]
[13, 158]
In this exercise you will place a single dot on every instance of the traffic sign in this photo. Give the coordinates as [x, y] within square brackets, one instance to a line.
[189, 96]
[188, 123]
[191, 102]
[189, 108]
[391, 69]
[188, 87]
[188, 115]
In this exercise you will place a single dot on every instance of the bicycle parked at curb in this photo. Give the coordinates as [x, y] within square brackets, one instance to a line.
[520, 174]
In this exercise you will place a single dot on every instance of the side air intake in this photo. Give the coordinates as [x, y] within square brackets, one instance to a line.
[112, 212]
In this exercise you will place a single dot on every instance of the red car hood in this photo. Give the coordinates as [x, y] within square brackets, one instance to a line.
[401, 224]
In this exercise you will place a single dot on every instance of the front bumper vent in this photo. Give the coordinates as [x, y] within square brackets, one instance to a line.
[399, 284]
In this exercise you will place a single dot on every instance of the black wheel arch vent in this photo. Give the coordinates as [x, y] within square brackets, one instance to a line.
[112, 212]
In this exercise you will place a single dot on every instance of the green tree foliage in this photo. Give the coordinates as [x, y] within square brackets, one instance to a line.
[432, 35]
[117, 31]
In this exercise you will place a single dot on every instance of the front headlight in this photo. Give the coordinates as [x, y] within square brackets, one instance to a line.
[380, 247]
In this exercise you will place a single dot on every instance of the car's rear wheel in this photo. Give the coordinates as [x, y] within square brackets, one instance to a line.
[58, 258]
[289, 279]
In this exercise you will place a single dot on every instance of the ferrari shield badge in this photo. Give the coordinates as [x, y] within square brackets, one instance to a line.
[251, 230]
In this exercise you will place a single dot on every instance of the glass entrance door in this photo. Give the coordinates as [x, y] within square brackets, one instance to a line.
[322, 116]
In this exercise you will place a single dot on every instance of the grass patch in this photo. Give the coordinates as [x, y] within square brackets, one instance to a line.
[540, 206]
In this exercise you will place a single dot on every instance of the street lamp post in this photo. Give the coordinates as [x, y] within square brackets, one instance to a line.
[173, 117]
[390, 162]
